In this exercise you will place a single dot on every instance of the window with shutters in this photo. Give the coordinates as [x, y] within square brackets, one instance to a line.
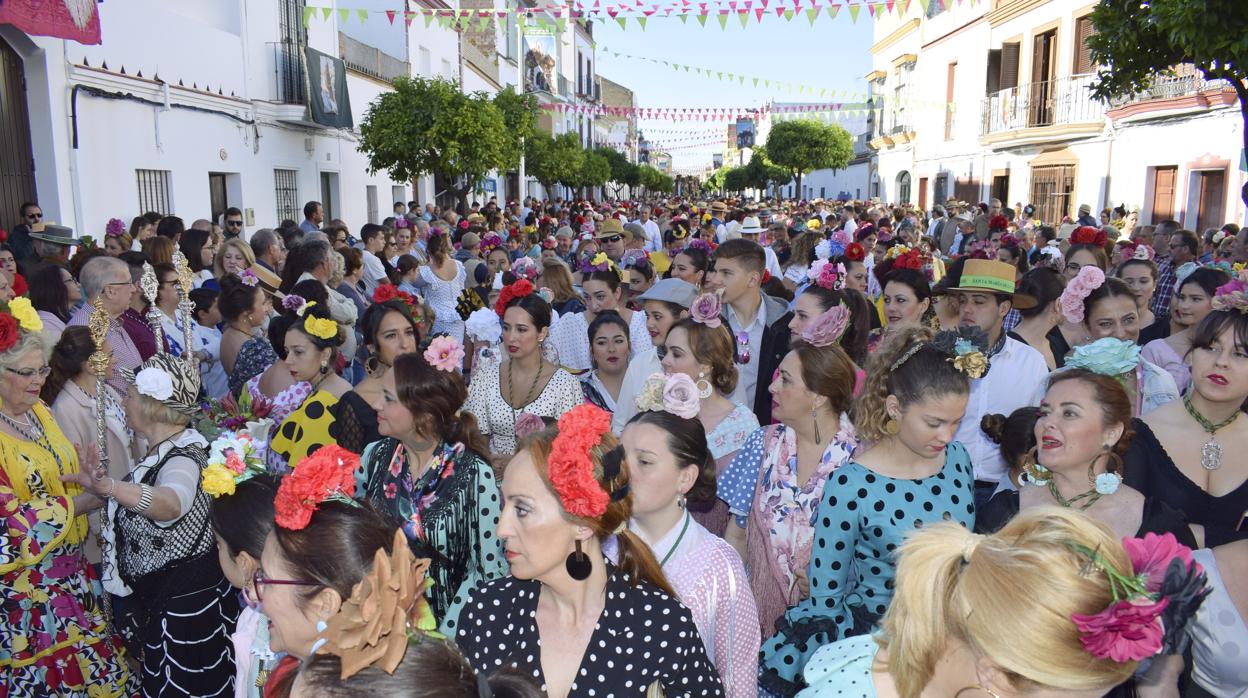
[1083, 56]
[949, 81]
[1009, 65]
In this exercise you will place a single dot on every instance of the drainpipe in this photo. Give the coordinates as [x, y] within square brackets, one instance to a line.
[74, 178]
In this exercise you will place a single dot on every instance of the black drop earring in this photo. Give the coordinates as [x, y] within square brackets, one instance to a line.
[578, 564]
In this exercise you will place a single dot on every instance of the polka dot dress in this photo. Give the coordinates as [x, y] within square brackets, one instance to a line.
[863, 518]
[842, 669]
[643, 636]
[1219, 637]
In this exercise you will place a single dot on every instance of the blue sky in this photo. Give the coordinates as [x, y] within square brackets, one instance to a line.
[832, 54]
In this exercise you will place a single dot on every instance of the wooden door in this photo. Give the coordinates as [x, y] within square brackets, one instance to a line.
[17, 164]
[1164, 179]
[216, 195]
[1040, 112]
[1212, 195]
[922, 193]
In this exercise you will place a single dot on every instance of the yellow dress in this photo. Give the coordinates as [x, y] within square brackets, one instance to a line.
[54, 638]
[305, 430]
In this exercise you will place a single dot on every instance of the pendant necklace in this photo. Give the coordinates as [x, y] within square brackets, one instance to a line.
[1211, 452]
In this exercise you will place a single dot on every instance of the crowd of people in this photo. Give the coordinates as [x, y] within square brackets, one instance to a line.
[674, 447]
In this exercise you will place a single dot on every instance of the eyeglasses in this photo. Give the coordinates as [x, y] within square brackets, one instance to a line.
[613, 238]
[258, 580]
[30, 373]
[743, 347]
[234, 224]
[120, 283]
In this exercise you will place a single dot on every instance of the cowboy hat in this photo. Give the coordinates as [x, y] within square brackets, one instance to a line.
[51, 232]
[609, 227]
[992, 276]
[750, 226]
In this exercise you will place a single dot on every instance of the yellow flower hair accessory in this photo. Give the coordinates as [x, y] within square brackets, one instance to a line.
[25, 314]
[218, 480]
[320, 328]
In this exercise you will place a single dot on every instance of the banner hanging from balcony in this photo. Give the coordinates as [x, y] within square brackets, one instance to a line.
[76, 20]
[328, 101]
[540, 59]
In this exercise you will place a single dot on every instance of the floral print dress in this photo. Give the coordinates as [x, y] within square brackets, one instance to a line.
[54, 637]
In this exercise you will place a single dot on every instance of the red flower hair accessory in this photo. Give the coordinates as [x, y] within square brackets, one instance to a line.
[910, 260]
[519, 289]
[855, 252]
[998, 223]
[389, 292]
[1088, 235]
[326, 475]
[571, 469]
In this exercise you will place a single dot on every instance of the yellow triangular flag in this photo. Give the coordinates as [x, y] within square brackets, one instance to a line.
[343, 14]
[811, 14]
[362, 14]
[832, 10]
[642, 22]
[701, 19]
[622, 21]
[854, 9]
[325, 13]
[788, 15]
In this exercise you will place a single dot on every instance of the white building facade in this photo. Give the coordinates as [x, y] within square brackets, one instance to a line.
[990, 100]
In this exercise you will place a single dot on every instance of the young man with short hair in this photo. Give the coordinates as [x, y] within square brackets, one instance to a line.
[233, 222]
[313, 215]
[374, 238]
[759, 322]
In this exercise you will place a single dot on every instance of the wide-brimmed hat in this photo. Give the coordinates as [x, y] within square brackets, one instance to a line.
[719, 206]
[676, 291]
[991, 276]
[167, 380]
[750, 226]
[269, 280]
[609, 227]
[51, 232]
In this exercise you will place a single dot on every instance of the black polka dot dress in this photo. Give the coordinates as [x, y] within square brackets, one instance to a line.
[863, 517]
[643, 636]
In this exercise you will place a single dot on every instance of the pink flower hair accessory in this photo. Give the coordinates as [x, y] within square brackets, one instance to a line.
[249, 277]
[445, 354]
[115, 228]
[1232, 295]
[705, 310]
[675, 393]
[828, 328]
[1152, 605]
[1085, 282]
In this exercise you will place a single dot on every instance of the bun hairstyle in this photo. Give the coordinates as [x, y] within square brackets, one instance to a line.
[69, 358]
[1045, 285]
[826, 371]
[537, 308]
[854, 341]
[1009, 596]
[1111, 397]
[1015, 434]
[245, 518]
[236, 298]
[714, 346]
[288, 320]
[434, 398]
[925, 374]
[431, 668]
[686, 439]
[635, 557]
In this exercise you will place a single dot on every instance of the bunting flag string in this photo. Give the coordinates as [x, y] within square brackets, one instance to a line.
[846, 109]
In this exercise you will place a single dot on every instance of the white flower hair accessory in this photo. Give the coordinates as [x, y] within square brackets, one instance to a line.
[154, 383]
[483, 325]
[675, 393]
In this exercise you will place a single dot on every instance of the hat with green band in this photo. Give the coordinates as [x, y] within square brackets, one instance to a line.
[992, 276]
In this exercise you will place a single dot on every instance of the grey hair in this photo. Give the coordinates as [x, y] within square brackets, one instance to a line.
[262, 240]
[47, 249]
[315, 236]
[96, 272]
[25, 342]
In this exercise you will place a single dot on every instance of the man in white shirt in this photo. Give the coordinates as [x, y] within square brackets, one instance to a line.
[985, 294]
[750, 229]
[654, 236]
[374, 238]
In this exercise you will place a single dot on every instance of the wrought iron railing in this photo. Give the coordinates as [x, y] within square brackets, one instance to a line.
[289, 85]
[370, 60]
[1052, 102]
[1184, 80]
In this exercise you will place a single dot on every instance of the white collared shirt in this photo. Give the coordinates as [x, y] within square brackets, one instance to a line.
[747, 374]
[1014, 375]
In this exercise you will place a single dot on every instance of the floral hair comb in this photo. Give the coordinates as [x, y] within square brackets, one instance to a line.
[1085, 282]
[445, 353]
[297, 304]
[828, 328]
[675, 393]
[518, 289]
[1232, 295]
[328, 475]
[965, 348]
[249, 278]
[706, 309]
[571, 469]
[115, 228]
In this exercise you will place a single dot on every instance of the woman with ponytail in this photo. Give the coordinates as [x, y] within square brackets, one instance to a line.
[577, 623]
[913, 474]
[429, 474]
[1026, 611]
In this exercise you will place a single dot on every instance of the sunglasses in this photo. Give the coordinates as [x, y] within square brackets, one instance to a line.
[34, 216]
[258, 580]
[234, 224]
[743, 347]
[613, 238]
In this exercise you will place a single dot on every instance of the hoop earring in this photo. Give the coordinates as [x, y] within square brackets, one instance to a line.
[976, 687]
[1109, 481]
[578, 564]
[372, 365]
[703, 386]
[1033, 472]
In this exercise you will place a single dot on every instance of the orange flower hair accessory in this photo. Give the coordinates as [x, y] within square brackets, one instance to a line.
[372, 627]
[326, 475]
[571, 469]
[518, 289]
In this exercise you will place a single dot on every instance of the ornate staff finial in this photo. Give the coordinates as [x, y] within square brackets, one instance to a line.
[186, 308]
[98, 323]
[150, 286]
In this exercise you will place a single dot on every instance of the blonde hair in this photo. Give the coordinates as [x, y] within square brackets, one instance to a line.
[1009, 596]
[156, 412]
[238, 245]
[558, 278]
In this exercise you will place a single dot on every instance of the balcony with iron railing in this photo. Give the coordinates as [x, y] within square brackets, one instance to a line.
[1057, 109]
[289, 86]
[1182, 89]
[369, 60]
[565, 88]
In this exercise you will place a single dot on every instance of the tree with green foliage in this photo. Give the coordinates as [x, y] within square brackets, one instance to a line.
[595, 171]
[806, 145]
[428, 126]
[663, 184]
[520, 117]
[1135, 41]
[623, 172]
[650, 179]
[761, 173]
[736, 179]
[552, 159]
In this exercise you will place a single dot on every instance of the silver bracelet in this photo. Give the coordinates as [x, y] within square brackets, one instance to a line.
[145, 500]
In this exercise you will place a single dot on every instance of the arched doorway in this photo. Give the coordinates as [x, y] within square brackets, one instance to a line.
[17, 173]
[903, 188]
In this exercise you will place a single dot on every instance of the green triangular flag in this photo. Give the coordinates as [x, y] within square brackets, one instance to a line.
[854, 9]
[766, 83]
[788, 15]
[483, 22]
[325, 13]
[811, 14]
[362, 14]
[642, 22]
[307, 15]
[428, 19]
[686, 69]
[719, 74]
[756, 82]
[343, 14]
[744, 17]
[723, 21]
[561, 25]
[622, 21]
[741, 79]
[697, 70]
[683, 18]
[701, 19]
[832, 10]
